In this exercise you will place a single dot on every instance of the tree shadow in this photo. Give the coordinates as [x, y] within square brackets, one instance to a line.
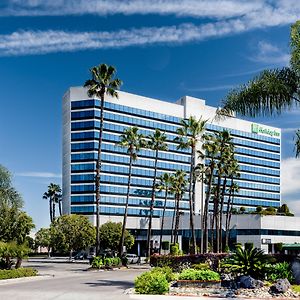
[116, 283]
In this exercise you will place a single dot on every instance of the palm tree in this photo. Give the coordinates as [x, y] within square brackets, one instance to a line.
[164, 184]
[211, 151]
[157, 142]
[233, 190]
[133, 141]
[53, 193]
[179, 185]
[103, 82]
[189, 135]
[272, 91]
[225, 146]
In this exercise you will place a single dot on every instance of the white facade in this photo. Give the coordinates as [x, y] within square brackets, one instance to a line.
[183, 108]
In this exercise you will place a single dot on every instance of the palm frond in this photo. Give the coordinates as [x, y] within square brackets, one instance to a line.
[271, 92]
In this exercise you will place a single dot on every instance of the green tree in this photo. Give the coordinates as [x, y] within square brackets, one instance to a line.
[284, 209]
[110, 236]
[156, 142]
[11, 250]
[272, 91]
[133, 141]
[53, 194]
[189, 136]
[164, 184]
[43, 239]
[72, 233]
[103, 82]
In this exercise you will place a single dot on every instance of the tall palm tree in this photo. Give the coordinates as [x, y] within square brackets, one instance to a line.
[164, 184]
[189, 135]
[229, 163]
[211, 151]
[133, 141]
[53, 193]
[103, 82]
[156, 142]
[233, 190]
[272, 91]
[297, 144]
[179, 186]
[225, 146]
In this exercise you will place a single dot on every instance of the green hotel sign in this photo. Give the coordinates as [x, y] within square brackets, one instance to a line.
[255, 128]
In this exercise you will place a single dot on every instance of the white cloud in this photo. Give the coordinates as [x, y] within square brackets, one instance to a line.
[39, 174]
[210, 88]
[193, 8]
[290, 176]
[259, 14]
[271, 54]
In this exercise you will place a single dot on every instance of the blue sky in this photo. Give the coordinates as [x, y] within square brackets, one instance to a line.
[163, 49]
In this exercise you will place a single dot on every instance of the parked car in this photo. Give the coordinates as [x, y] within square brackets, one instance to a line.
[80, 255]
[132, 258]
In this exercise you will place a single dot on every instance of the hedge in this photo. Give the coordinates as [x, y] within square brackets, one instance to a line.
[173, 261]
[17, 273]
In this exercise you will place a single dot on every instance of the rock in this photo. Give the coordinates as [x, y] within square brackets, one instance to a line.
[230, 294]
[249, 282]
[281, 286]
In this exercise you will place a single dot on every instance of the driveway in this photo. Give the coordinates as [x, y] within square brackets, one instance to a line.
[69, 281]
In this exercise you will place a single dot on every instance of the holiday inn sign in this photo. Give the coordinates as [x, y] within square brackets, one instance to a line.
[255, 128]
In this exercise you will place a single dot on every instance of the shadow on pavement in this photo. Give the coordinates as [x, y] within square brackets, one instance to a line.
[115, 283]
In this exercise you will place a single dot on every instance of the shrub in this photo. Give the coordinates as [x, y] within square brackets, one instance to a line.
[174, 249]
[154, 283]
[177, 263]
[165, 245]
[167, 271]
[97, 262]
[204, 275]
[201, 266]
[280, 271]
[17, 273]
[249, 261]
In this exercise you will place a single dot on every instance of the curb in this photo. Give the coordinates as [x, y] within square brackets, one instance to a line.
[25, 279]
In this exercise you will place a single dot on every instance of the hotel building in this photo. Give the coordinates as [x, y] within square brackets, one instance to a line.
[257, 149]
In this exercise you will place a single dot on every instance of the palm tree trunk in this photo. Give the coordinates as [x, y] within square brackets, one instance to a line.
[53, 209]
[59, 207]
[50, 210]
[177, 220]
[217, 213]
[227, 224]
[152, 205]
[98, 173]
[192, 202]
[173, 220]
[221, 213]
[163, 220]
[206, 209]
[126, 208]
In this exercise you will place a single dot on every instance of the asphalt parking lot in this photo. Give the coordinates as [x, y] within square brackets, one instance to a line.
[63, 281]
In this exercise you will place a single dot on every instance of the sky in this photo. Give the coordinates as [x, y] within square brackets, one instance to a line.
[161, 48]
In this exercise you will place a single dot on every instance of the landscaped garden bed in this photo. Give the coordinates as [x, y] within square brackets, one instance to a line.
[247, 273]
[17, 273]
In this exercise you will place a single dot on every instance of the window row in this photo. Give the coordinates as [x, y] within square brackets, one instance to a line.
[259, 178]
[118, 149]
[248, 151]
[124, 109]
[256, 145]
[119, 211]
[257, 161]
[117, 190]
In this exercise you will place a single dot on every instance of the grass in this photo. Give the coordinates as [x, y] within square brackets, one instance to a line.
[17, 273]
[296, 288]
